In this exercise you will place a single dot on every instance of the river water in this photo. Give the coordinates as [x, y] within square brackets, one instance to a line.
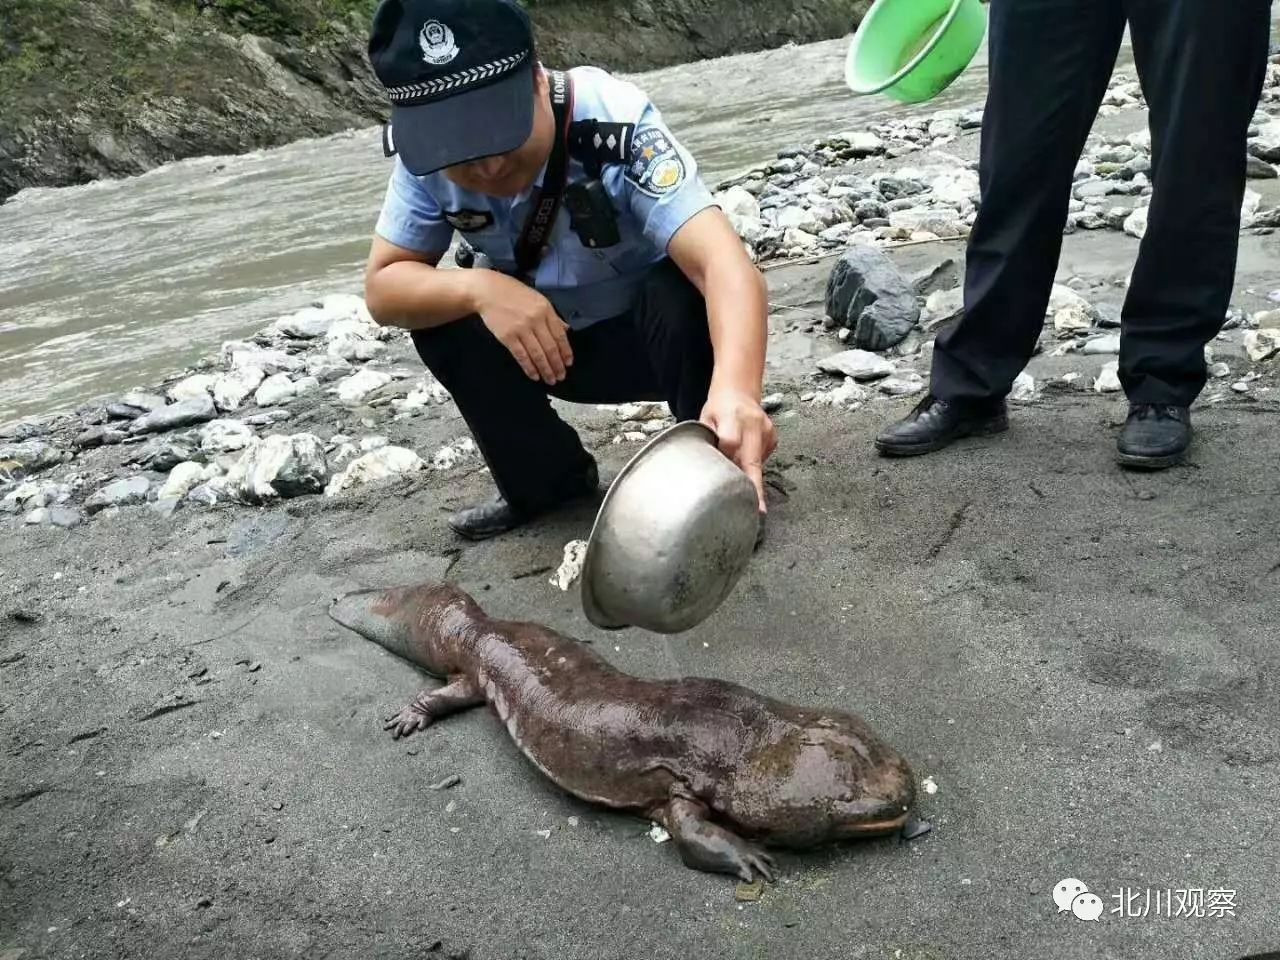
[116, 284]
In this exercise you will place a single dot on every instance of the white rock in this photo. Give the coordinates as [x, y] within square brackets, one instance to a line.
[1071, 312]
[224, 436]
[183, 479]
[232, 389]
[341, 453]
[799, 219]
[642, 410]
[863, 143]
[943, 128]
[920, 219]
[274, 390]
[941, 304]
[268, 361]
[1062, 296]
[798, 241]
[848, 394]
[192, 388]
[751, 229]
[1072, 320]
[900, 387]
[858, 364]
[837, 233]
[957, 187]
[24, 496]
[575, 551]
[355, 388]
[1219, 370]
[1024, 388]
[1248, 209]
[306, 324]
[1140, 141]
[1136, 223]
[373, 466]
[36, 494]
[354, 349]
[452, 454]
[1262, 344]
[118, 494]
[1100, 346]
[428, 393]
[1109, 379]
[279, 466]
[327, 368]
[736, 202]
[344, 306]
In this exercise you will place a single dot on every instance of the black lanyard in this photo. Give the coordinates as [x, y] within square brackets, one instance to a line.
[546, 204]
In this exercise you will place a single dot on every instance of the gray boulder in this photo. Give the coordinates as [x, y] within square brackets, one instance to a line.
[175, 415]
[31, 456]
[870, 296]
[118, 494]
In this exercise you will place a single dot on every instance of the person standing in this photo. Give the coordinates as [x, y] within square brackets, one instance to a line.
[1202, 65]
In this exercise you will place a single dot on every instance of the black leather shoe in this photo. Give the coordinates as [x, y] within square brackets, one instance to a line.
[497, 516]
[1155, 436]
[934, 423]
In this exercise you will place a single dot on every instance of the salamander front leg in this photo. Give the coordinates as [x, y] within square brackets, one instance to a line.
[431, 705]
[707, 846]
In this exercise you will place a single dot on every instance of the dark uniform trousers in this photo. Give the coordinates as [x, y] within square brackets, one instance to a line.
[659, 350]
[1201, 64]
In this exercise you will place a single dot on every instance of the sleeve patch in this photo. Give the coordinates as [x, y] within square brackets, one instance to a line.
[655, 166]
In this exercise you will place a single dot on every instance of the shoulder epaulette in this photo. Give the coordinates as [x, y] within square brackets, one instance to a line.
[595, 143]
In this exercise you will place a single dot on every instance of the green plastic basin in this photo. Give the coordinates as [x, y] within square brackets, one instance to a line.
[911, 50]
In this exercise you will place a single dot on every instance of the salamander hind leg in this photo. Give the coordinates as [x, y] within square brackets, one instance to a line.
[431, 705]
[707, 846]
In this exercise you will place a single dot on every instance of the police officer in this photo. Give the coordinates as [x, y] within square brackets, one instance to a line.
[605, 273]
[1202, 66]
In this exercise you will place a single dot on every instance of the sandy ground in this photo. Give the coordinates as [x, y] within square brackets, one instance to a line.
[1083, 660]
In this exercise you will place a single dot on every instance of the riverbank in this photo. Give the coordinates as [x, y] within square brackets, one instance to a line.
[110, 88]
[1080, 660]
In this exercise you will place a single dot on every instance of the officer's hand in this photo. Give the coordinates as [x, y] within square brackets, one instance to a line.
[745, 432]
[525, 322]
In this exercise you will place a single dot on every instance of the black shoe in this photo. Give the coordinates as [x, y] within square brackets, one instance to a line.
[497, 516]
[935, 423]
[1155, 436]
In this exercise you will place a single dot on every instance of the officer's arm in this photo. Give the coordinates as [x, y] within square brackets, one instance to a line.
[711, 255]
[403, 288]
[709, 252]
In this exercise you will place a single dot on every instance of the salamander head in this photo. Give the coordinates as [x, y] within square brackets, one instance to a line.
[383, 616]
[830, 779]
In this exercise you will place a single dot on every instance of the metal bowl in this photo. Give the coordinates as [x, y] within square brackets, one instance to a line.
[673, 535]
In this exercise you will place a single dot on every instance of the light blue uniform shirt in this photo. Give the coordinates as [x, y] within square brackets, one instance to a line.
[653, 196]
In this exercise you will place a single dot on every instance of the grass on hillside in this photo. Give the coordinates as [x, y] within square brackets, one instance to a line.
[55, 54]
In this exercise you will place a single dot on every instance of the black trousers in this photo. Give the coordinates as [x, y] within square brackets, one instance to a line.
[660, 350]
[1201, 64]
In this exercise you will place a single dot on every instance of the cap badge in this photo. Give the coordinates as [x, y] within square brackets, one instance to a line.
[436, 40]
